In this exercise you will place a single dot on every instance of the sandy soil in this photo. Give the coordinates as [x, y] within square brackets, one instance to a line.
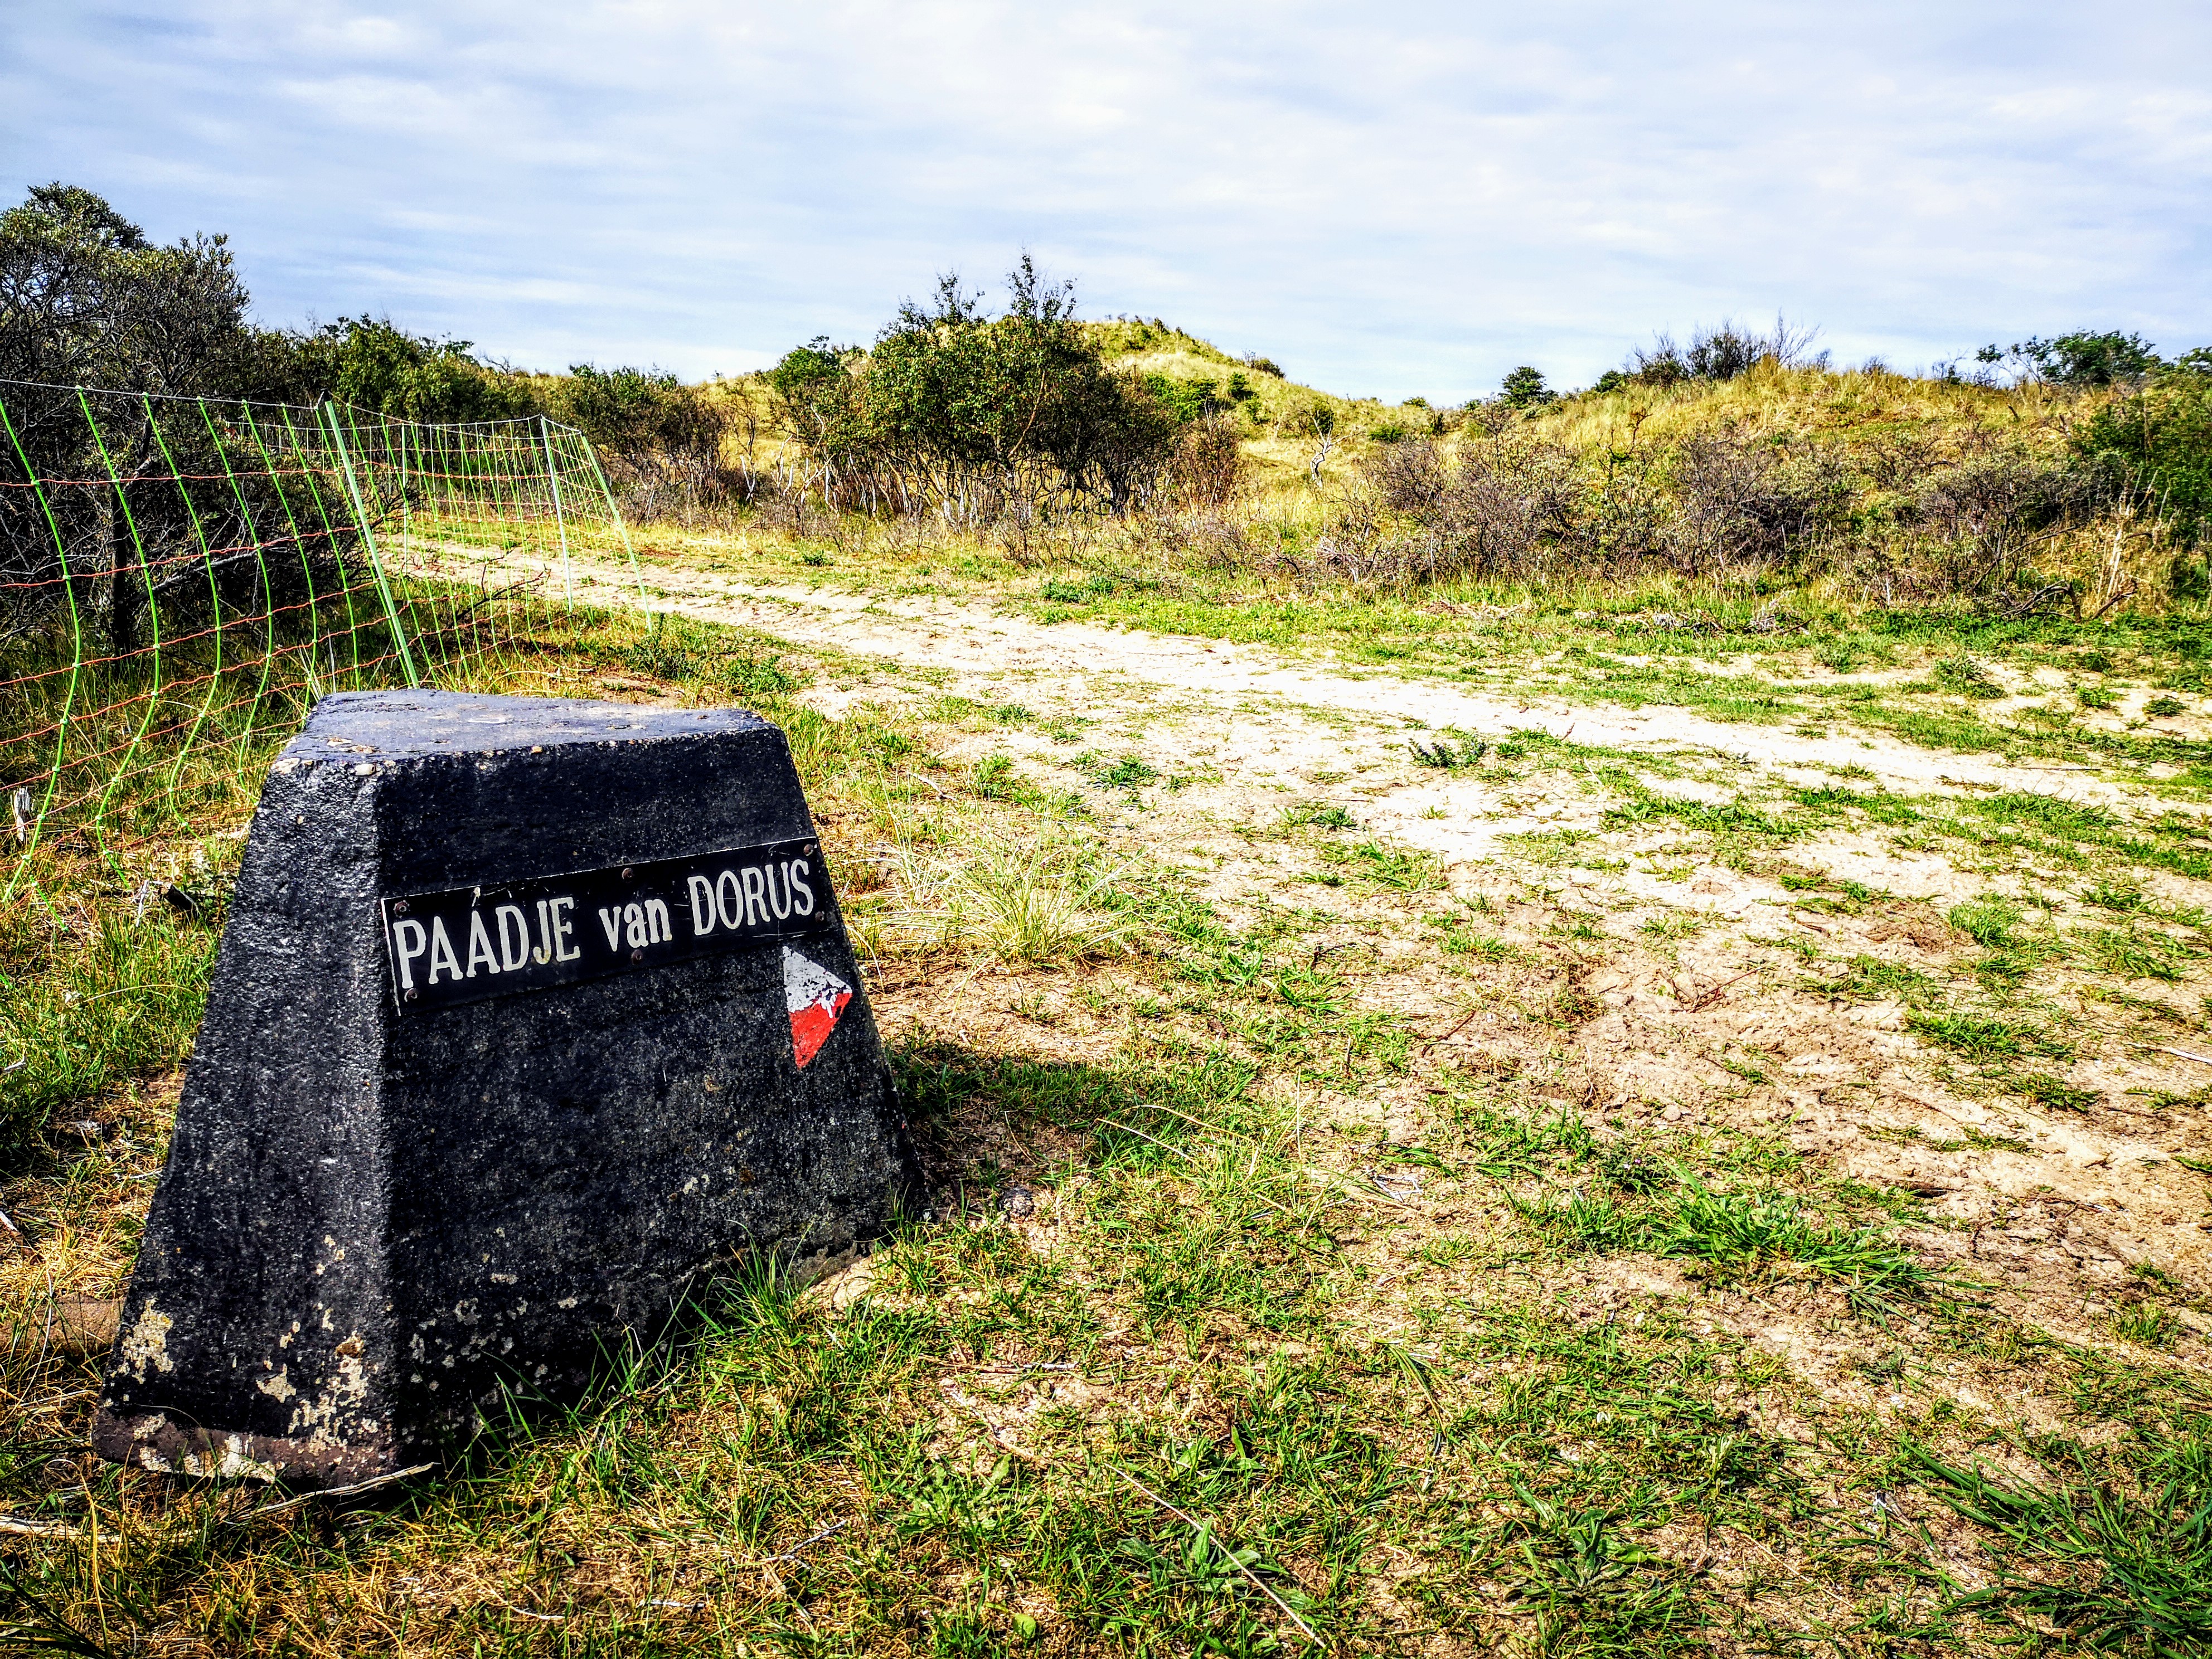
[988, 648]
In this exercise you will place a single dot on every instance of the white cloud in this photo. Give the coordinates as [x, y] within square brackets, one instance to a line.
[1398, 201]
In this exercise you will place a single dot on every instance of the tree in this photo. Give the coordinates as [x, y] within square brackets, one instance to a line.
[2079, 358]
[1524, 388]
[86, 300]
[1317, 420]
[817, 393]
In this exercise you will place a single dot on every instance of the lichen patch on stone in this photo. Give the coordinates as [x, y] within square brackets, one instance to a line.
[147, 1342]
[279, 1387]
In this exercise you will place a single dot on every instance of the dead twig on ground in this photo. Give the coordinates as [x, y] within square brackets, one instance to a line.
[356, 1488]
[791, 1554]
[23, 1526]
[1465, 1021]
[1228, 1554]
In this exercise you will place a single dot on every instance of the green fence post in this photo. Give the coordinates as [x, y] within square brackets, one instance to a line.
[369, 539]
[560, 521]
[76, 657]
[614, 512]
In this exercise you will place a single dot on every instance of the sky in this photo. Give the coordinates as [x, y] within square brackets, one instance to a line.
[1387, 200]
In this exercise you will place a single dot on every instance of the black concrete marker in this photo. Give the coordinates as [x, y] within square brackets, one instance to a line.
[528, 1012]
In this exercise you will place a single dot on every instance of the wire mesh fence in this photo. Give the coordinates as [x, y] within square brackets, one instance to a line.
[181, 578]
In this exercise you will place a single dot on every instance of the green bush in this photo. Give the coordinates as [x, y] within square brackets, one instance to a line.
[2163, 436]
[1187, 400]
[655, 433]
[1524, 388]
[956, 409]
[2082, 358]
[372, 363]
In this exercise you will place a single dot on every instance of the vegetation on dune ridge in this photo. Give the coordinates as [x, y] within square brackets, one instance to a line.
[1742, 463]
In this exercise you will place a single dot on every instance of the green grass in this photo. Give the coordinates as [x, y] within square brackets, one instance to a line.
[1864, 978]
[2135, 954]
[1374, 864]
[2109, 1564]
[1967, 677]
[1354, 1306]
[1733, 1236]
[1983, 1038]
[91, 1008]
[2055, 1093]
[1321, 815]
[1734, 818]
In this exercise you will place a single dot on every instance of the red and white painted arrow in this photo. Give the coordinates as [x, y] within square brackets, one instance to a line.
[816, 997]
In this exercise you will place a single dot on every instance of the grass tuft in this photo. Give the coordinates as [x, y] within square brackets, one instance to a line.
[995, 897]
[1980, 1038]
[2107, 1567]
[118, 999]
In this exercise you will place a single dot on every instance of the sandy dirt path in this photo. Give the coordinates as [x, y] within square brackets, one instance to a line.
[983, 647]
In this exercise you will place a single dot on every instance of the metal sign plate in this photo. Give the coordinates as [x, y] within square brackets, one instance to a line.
[474, 943]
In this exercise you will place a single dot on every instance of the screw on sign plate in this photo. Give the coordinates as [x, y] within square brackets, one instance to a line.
[400, 907]
[637, 955]
[628, 873]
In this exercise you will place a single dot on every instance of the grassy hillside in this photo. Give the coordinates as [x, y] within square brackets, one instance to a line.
[1893, 427]
[1901, 421]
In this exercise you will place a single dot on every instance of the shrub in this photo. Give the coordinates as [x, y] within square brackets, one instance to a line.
[957, 411]
[2162, 436]
[1493, 510]
[2079, 358]
[1187, 400]
[1208, 464]
[661, 440]
[1720, 354]
[1524, 388]
[815, 393]
[372, 363]
[1978, 520]
[1738, 503]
